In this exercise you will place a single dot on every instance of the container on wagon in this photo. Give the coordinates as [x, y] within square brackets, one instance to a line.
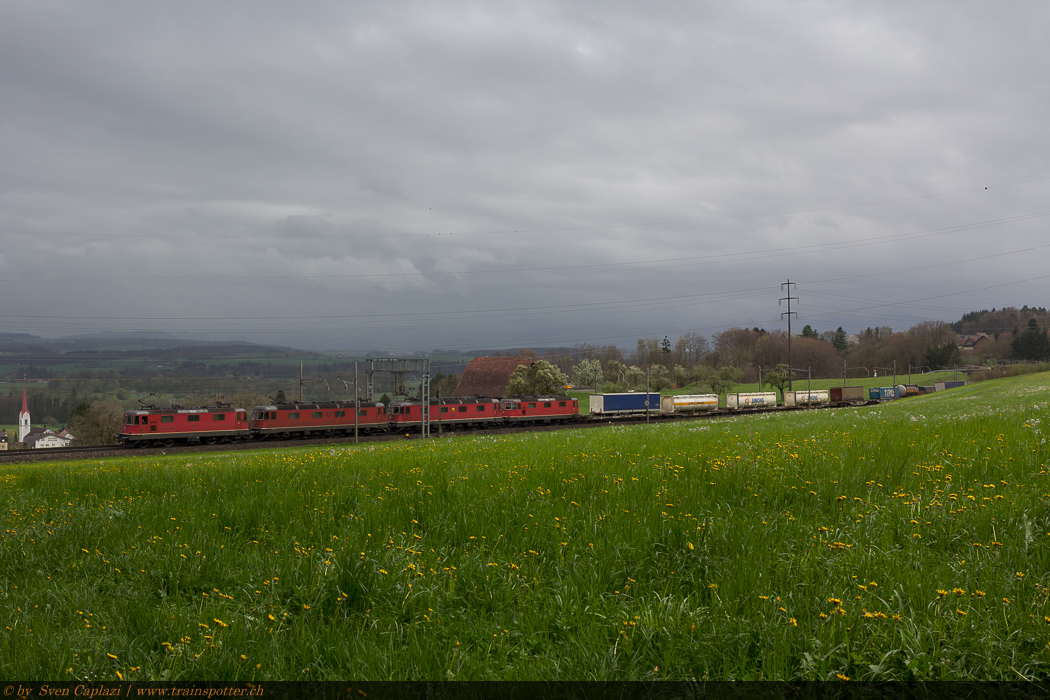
[689, 403]
[882, 393]
[847, 394]
[806, 398]
[754, 400]
[954, 385]
[927, 389]
[623, 404]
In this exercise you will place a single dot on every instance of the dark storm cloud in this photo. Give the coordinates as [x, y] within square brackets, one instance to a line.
[427, 174]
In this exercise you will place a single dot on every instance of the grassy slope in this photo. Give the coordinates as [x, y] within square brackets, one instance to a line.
[907, 540]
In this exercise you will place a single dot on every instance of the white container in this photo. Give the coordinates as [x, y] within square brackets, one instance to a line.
[806, 398]
[689, 403]
[757, 400]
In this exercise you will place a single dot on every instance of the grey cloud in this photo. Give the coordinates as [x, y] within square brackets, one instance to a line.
[337, 157]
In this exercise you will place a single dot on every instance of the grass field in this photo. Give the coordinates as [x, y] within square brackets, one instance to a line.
[909, 540]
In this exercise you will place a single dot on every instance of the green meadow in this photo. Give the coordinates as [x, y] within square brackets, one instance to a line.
[908, 540]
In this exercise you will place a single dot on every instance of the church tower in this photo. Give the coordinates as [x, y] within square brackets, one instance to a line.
[23, 416]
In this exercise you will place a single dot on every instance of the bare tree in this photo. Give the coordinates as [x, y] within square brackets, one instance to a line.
[98, 425]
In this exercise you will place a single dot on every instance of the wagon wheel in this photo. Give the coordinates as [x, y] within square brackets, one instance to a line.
[328, 433]
[168, 443]
[211, 439]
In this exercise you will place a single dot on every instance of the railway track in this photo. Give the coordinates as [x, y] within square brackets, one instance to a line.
[109, 451]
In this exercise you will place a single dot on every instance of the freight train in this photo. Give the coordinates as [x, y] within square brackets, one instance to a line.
[151, 426]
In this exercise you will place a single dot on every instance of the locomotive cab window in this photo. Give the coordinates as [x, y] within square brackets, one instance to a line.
[167, 419]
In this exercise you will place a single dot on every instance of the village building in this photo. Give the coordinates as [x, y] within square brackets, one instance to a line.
[39, 438]
[42, 439]
[975, 341]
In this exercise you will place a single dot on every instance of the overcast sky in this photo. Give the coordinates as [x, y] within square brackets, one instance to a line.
[410, 176]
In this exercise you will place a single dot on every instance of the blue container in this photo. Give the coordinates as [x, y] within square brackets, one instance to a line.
[882, 393]
[954, 385]
[621, 404]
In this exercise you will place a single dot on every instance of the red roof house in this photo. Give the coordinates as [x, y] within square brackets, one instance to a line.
[489, 376]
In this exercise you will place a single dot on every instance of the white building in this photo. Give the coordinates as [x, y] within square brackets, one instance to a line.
[39, 439]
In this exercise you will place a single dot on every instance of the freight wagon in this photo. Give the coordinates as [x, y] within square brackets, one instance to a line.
[763, 399]
[806, 398]
[847, 394]
[882, 393]
[689, 403]
[941, 386]
[623, 404]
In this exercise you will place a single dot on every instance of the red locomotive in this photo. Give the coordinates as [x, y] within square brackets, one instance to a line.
[287, 420]
[451, 413]
[153, 427]
[526, 410]
[478, 412]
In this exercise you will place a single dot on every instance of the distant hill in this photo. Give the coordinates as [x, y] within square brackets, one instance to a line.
[1002, 320]
[138, 344]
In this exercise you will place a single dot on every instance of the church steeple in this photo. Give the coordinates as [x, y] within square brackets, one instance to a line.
[23, 415]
